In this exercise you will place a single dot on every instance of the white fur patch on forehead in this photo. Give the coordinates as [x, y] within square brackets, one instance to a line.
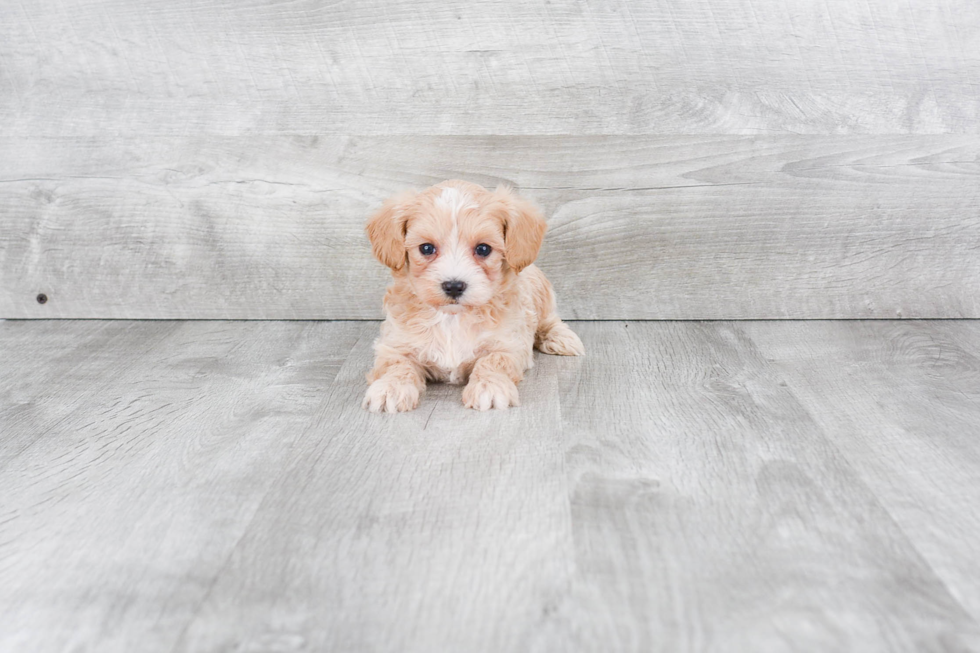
[455, 200]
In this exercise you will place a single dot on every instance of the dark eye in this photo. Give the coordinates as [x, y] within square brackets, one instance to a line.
[483, 250]
[427, 249]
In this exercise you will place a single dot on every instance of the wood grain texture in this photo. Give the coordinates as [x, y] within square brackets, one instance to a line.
[684, 227]
[912, 430]
[441, 529]
[124, 68]
[685, 486]
[40, 388]
[711, 512]
[147, 458]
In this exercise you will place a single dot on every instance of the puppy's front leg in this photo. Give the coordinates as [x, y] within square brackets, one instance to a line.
[493, 382]
[396, 384]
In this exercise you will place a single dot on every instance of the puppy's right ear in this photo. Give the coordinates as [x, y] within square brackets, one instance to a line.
[386, 230]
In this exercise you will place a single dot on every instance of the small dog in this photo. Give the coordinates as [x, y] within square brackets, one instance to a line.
[465, 304]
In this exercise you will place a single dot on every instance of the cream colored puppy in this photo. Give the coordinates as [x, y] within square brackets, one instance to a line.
[465, 304]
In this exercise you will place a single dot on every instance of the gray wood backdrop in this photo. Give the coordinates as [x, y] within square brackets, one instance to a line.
[704, 159]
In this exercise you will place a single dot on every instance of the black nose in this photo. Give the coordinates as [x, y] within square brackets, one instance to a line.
[454, 287]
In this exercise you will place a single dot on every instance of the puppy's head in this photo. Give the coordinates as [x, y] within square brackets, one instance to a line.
[456, 243]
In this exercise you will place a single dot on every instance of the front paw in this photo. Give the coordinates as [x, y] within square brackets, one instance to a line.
[487, 392]
[390, 395]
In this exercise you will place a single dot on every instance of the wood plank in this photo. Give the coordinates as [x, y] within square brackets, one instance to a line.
[116, 520]
[685, 227]
[901, 401]
[685, 486]
[439, 529]
[127, 68]
[53, 367]
[710, 512]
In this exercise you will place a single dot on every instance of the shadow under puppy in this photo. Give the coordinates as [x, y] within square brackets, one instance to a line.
[465, 304]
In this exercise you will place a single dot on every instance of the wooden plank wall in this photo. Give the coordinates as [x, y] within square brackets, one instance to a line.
[707, 159]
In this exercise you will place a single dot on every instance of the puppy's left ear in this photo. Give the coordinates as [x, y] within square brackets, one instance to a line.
[386, 230]
[524, 227]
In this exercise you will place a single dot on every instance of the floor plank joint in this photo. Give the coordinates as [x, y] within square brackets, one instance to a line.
[201, 486]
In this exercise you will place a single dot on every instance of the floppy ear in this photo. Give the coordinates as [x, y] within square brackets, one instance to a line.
[524, 228]
[386, 230]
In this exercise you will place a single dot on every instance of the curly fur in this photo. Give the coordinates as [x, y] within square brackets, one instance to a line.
[483, 338]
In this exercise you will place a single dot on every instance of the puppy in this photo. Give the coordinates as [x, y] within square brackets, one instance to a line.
[465, 304]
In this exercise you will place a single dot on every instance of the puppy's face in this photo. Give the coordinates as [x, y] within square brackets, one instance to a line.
[456, 243]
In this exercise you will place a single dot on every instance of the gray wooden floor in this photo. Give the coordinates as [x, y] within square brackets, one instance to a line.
[757, 486]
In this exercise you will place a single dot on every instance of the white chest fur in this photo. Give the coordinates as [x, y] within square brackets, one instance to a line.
[450, 351]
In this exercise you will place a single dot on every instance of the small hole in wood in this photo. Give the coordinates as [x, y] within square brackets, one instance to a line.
[42, 298]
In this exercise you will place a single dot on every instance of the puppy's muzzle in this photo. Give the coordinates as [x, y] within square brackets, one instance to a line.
[454, 288]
